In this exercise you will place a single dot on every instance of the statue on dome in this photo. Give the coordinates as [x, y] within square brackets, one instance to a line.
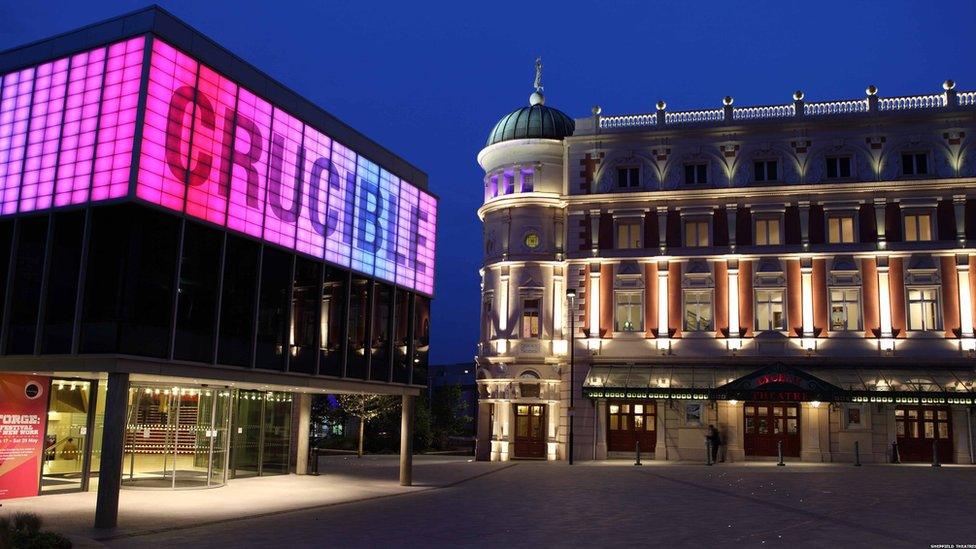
[538, 74]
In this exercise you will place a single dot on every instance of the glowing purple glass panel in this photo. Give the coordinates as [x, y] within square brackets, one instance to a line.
[209, 149]
[206, 194]
[117, 119]
[310, 238]
[249, 164]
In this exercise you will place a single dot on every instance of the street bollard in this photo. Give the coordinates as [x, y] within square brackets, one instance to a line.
[313, 461]
[857, 453]
[637, 462]
[895, 458]
[935, 454]
[708, 452]
[779, 450]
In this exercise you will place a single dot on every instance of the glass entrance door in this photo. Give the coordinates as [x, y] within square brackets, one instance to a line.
[629, 423]
[769, 423]
[918, 427]
[176, 437]
[530, 432]
[262, 434]
[68, 438]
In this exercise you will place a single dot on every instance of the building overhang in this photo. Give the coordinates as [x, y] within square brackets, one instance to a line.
[781, 382]
[164, 371]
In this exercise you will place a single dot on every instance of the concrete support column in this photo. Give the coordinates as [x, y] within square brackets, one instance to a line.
[600, 429]
[406, 440]
[482, 451]
[113, 438]
[809, 432]
[735, 439]
[960, 434]
[661, 418]
[302, 433]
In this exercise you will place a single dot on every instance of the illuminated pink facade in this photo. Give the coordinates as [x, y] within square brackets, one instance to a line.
[71, 128]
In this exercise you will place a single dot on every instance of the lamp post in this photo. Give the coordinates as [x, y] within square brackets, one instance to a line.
[571, 297]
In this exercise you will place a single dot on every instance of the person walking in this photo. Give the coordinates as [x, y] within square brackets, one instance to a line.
[713, 440]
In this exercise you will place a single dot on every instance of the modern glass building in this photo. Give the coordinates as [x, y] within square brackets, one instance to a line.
[188, 249]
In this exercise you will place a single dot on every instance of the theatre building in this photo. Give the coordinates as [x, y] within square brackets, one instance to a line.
[188, 251]
[799, 275]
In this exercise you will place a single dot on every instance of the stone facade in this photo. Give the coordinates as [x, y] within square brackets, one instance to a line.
[832, 238]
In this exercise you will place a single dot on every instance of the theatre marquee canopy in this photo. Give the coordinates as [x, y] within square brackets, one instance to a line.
[780, 382]
[141, 119]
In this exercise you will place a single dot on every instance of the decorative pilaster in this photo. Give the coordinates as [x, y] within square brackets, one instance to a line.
[804, 207]
[965, 297]
[733, 274]
[806, 288]
[959, 207]
[884, 297]
[594, 296]
[662, 229]
[880, 206]
[730, 213]
[595, 231]
[662, 299]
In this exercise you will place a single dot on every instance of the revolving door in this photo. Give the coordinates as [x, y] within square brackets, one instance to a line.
[176, 437]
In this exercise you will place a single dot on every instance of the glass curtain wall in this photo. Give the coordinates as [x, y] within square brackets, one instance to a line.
[306, 309]
[121, 272]
[332, 321]
[401, 337]
[357, 361]
[421, 339]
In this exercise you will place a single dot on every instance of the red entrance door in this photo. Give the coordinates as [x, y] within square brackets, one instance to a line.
[630, 422]
[767, 424]
[917, 427]
[530, 431]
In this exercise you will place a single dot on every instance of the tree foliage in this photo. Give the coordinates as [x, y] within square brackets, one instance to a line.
[447, 411]
[367, 407]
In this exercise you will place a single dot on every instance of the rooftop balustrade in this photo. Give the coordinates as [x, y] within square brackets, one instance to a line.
[948, 99]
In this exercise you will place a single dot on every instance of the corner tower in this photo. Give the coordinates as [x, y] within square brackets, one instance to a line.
[522, 349]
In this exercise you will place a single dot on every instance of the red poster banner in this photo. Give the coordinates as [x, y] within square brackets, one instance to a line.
[23, 416]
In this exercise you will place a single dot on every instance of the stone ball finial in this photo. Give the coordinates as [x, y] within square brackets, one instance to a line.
[798, 95]
[661, 105]
[871, 90]
[597, 110]
[948, 85]
[727, 101]
[537, 99]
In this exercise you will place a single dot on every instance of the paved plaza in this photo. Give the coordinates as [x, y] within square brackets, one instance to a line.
[553, 504]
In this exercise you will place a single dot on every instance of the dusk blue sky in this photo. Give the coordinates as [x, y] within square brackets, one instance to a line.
[429, 81]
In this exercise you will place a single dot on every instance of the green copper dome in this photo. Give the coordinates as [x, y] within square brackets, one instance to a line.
[533, 122]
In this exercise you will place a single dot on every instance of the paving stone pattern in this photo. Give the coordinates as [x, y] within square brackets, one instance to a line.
[614, 504]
